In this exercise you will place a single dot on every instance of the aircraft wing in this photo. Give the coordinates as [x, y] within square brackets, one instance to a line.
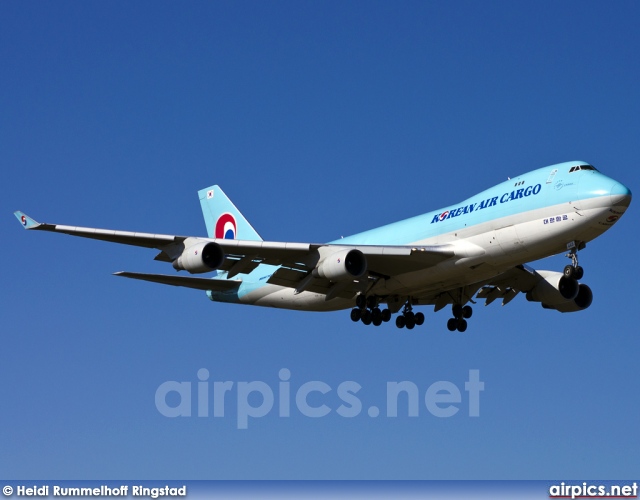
[298, 260]
[126, 237]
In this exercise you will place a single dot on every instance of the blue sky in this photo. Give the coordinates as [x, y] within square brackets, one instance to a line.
[319, 119]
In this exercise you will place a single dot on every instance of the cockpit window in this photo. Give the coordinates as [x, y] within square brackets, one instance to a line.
[582, 167]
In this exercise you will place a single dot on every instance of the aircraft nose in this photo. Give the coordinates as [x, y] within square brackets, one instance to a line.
[620, 195]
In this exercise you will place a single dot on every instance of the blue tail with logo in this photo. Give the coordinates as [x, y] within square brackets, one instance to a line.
[222, 217]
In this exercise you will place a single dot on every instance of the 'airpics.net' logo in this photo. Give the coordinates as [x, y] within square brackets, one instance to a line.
[226, 227]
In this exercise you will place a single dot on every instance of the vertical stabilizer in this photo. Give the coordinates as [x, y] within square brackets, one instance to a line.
[222, 217]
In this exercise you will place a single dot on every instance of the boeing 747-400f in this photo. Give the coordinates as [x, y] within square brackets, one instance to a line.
[477, 247]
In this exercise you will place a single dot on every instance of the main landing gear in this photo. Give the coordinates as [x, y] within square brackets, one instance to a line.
[460, 317]
[368, 312]
[408, 319]
[573, 270]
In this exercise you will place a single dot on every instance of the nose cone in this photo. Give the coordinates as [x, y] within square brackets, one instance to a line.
[620, 195]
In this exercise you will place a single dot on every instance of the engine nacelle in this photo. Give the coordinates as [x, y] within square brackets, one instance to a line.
[553, 289]
[202, 257]
[581, 302]
[342, 265]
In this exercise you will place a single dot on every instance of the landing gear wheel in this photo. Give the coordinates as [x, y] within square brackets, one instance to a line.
[458, 321]
[361, 301]
[377, 321]
[569, 271]
[457, 310]
[356, 314]
[366, 317]
[372, 302]
[376, 313]
[408, 318]
[578, 273]
[386, 315]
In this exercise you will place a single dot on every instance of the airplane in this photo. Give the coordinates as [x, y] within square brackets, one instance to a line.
[477, 247]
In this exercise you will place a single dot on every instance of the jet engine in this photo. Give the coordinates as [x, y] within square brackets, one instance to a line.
[553, 289]
[202, 257]
[581, 302]
[342, 265]
[556, 291]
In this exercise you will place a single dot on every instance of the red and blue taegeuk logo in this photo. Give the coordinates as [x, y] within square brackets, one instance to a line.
[226, 227]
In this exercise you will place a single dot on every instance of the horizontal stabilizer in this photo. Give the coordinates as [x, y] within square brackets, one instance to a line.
[197, 283]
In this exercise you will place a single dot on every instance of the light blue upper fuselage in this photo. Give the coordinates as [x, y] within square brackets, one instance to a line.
[526, 192]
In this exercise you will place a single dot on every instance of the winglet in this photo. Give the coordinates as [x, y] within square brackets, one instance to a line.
[26, 221]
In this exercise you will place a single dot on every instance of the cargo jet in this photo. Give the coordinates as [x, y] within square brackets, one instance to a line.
[477, 247]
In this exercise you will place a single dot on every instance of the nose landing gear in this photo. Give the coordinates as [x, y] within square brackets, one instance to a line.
[573, 270]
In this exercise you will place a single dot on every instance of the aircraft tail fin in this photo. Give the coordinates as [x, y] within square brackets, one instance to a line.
[222, 217]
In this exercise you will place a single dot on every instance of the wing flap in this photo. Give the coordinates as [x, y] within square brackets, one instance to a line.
[390, 260]
[293, 278]
[520, 277]
[286, 277]
[507, 285]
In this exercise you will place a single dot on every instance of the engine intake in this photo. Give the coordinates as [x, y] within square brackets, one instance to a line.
[342, 265]
[202, 257]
